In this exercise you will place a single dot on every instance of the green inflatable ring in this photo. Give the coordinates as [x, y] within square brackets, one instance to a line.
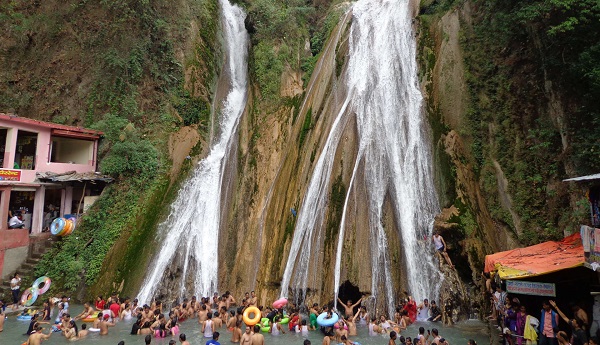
[265, 329]
[284, 321]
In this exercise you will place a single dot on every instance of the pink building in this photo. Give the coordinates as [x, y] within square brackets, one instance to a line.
[46, 171]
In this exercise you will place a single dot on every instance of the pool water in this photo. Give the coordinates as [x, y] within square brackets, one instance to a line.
[456, 335]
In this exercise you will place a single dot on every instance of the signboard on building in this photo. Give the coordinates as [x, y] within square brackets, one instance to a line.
[531, 288]
[590, 238]
[10, 175]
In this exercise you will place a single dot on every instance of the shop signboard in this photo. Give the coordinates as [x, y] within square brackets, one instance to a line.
[10, 175]
[531, 288]
[590, 238]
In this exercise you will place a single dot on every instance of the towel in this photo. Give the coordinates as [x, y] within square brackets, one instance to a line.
[531, 323]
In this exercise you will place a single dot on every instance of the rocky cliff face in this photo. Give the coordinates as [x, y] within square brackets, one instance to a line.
[501, 135]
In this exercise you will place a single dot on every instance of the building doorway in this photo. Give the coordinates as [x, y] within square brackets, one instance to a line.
[21, 202]
[52, 202]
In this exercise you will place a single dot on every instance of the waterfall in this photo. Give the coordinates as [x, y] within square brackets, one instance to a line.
[393, 158]
[191, 231]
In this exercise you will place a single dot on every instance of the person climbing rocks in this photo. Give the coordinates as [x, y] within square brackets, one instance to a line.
[440, 246]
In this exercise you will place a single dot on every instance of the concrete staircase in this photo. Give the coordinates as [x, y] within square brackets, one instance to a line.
[37, 248]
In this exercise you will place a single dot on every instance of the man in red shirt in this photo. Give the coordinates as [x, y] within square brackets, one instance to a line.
[115, 309]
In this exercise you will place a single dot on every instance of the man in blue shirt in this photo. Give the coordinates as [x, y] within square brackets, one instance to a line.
[214, 339]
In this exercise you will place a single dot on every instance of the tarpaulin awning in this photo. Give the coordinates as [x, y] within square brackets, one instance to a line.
[538, 259]
[73, 176]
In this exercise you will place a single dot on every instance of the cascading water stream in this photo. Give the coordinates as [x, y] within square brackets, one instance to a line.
[393, 158]
[193, 224]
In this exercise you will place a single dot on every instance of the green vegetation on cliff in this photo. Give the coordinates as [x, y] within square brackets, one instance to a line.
[135, 69]
[532, 75]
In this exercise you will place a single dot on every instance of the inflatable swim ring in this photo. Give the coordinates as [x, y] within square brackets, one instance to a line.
[69, 227]
[251, 321]
[90, 318]
[57, 226]
[24, 317]
[29, 296]
[64, 229]
[42, 280]
[323, 322]
[265, 329]
[280, 303]
[284, 321]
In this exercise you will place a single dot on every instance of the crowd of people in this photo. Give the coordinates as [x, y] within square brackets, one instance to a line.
[221, 314]
[541, 327]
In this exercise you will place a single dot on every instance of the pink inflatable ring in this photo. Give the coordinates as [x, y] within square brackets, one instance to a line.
[280, 303]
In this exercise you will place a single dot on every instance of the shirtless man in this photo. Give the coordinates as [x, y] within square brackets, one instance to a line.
[230, 300]
[393, 336]
[182, 339]
[216, 299]
[222, 303]
[187, 311]
[253, 300]
[36, 337]
[202, 314]
[422, 339]
[327, 338]
[147, 314]
[236, 333]
[97, 321]
[351, 322]
[246, 337]
[581, 314]
[87, 311]
[217, 321]
[104, 324]
[257, 338]
[231, 322]
[436, 336]
[84, 332]
[350, 307]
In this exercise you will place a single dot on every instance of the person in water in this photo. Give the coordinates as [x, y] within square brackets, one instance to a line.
[435, 312]
[349, 307]
[393, 336]
[36, 337]
[423, 311]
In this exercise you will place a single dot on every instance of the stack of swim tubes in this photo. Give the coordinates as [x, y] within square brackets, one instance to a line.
[62, 226]
[39, 287]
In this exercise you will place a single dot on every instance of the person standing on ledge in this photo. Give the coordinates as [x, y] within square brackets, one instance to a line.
[15, 287]
[440, 246]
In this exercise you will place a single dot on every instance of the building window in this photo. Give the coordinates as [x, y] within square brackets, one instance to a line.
[73, 151]
[26, 150]
[3, 134]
